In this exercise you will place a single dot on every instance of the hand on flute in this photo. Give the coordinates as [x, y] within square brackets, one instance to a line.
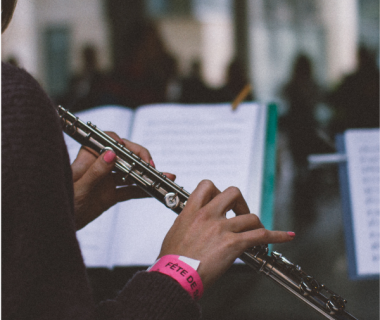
[203, 232]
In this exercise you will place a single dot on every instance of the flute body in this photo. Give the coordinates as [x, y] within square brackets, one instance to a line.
[155, 183]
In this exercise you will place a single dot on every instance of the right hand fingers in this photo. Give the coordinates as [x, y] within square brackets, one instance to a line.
[242, 223]
[207, 195]
[250, 231]
[262, 236]
[202, 231]
[203, 194]
[247, 226]
[229, 199]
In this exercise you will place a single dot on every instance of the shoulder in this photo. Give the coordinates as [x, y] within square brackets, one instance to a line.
[22, 97]
[27, 113]
[19, 88]
[13, 77]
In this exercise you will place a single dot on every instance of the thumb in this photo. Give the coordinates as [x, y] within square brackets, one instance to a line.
[98, 170]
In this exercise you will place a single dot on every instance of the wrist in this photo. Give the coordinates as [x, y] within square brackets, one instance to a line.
[183, 270]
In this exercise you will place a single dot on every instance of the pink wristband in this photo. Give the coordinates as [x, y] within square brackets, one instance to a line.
[180, 271]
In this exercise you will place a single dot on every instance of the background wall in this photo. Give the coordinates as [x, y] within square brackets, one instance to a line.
[329, 30]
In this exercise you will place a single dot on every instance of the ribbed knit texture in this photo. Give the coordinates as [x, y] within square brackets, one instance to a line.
[43, 274]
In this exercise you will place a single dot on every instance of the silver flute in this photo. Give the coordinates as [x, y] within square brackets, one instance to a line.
[156, 184]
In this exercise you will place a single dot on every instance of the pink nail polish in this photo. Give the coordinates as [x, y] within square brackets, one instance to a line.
[152, 163]
[291, 233]
[109, 156]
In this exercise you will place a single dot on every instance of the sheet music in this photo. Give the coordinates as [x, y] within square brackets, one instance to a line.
[96, 238]
[195, 143]
[362, 148]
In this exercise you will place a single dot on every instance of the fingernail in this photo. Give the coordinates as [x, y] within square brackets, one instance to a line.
[152, 163]
[291, 233]
[109, 156]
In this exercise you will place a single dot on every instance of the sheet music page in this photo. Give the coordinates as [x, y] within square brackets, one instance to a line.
[96, 238]
[194, 142]
[362, 148]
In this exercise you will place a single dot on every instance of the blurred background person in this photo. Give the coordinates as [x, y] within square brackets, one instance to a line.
[83, 85]
[143, 73]
[302, 94]
[194, 89]
[236, 80]
[356, 99]
[174, 81]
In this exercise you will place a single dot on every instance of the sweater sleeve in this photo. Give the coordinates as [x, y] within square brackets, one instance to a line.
[151, 295]
[43, 274]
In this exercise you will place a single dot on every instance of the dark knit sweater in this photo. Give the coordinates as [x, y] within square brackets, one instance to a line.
[43, 275]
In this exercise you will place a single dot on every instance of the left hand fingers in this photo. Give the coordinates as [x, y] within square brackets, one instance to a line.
[140, 151]
[96, 172]
[86, 157]
[114, 136]
[83, 161]
[128, 191]
[170, 176]
[137, 149]
[118, 178]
